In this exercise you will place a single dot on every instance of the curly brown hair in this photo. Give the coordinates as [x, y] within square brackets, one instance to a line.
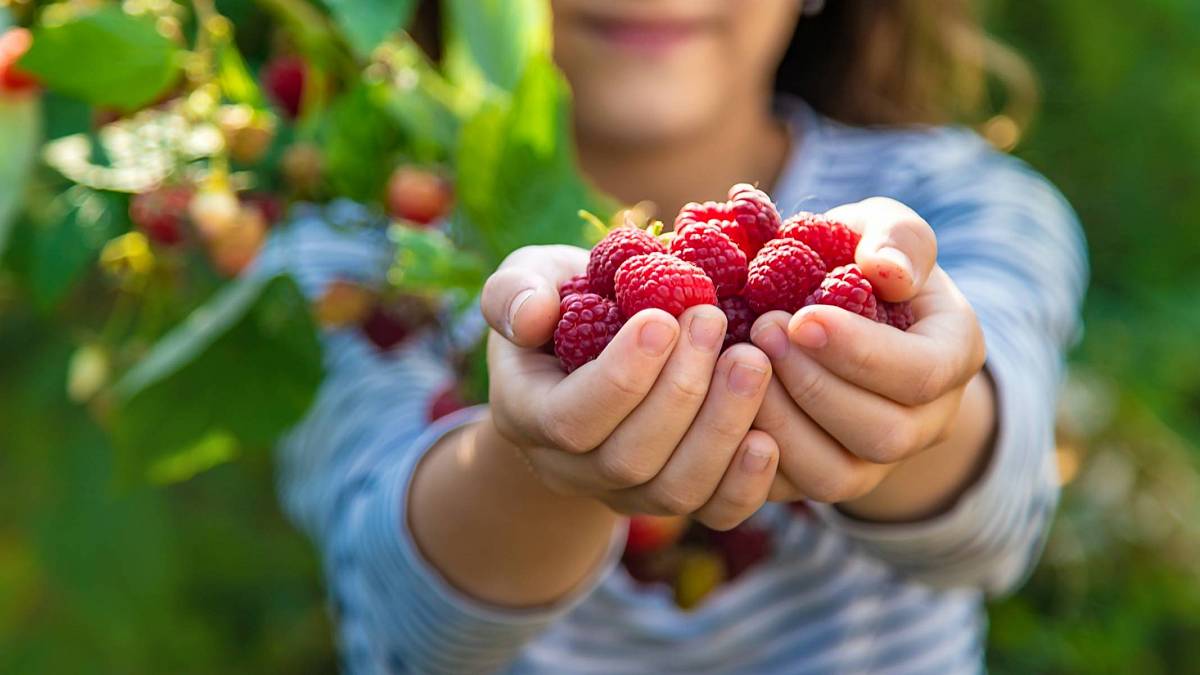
[902, 62]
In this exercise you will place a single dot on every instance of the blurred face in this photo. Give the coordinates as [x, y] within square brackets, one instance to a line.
[659, 71]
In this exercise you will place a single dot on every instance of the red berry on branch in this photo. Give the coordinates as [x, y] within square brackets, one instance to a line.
[283, 79]
[660, 280]
[418, 196]
[161, 214]
[13, 44]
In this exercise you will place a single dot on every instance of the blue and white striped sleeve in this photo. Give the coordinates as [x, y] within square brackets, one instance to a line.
[344, 473]
[1013, 246]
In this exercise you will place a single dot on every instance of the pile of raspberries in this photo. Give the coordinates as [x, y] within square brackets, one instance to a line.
[739, 255]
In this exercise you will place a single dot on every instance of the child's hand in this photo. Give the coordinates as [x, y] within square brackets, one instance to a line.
[851, 397]
[658, 424]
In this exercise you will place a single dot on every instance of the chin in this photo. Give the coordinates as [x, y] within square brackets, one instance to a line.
[644, 113]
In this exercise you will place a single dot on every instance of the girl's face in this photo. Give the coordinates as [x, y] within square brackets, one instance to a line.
[662, 71]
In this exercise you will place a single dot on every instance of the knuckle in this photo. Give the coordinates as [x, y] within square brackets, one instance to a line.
[675, 501]
[806, 388]
[687, 389]
[931, 386]
[894, 445]
[624, 381]
[564, 435]
[616, 469]
[726, 427]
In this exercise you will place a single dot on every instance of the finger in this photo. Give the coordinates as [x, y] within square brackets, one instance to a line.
[898, 248]
[810, 460]
[641, 445]
[577, 412]
[694, 470]
[870, 426]
[520, 301]
[939, 353]
[746, 483]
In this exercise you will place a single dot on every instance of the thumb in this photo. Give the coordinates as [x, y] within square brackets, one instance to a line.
[898, 248]
[520, 301]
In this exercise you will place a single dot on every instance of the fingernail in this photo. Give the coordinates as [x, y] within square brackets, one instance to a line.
[514, 307]
[706, 332]
[897, 258]
[772, 340]
[756, 459]
[745, 379]
[655, 338]
[810, 334]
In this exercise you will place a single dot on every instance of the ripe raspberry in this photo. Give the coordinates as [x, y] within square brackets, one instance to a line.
[896, 314]
[13, 45]
[661, 280]
[576, 284]
[833, 241]
[719, 214]
[846, 287]
[740, 318]
[418, 195]
[782, 276]
[588, 323]
[283, 80]
[160, 213]
[619, 245]
[756, 213]
[447, 401]
[707, 247]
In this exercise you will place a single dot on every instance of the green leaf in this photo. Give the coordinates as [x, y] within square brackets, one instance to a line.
[496, 38]
[64, 241]
[20, 134]
[245, 366]
[428, 262]
[366, 23]
[235, 79]
[105, 57]
[518, 183]
[359, 143]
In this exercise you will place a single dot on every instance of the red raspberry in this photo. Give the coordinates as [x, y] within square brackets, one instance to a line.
[756, 213]
[13, 44]
[283, 80]
[417, 195]
[588, 323]
[833, 241]
[740, 318]
[846, 287]
[707, 247]
[160, 213]
[719, 214]
[447, 401]
[661, 280]
[619, 245]
[896, 314]
[782, 276]
[576, 284]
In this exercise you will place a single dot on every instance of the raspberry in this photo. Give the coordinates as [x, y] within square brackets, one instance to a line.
[447, 401]
[707, 247]
[417, 195]
[782, 275]
[756, 213]
[896, 314]
[160, 213]
[588, 323]
[283, 80]
[619, 245]
[663, 281]
[13, 45]
[846, 287]
[833, 241]
[715, 213]
[576, 284]
[740, 318]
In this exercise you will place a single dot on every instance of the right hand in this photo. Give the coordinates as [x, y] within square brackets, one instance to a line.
[658, 424]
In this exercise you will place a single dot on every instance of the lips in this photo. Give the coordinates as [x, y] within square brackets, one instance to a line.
[646, 35]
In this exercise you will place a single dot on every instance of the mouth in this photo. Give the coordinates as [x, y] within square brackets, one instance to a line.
[645, 35]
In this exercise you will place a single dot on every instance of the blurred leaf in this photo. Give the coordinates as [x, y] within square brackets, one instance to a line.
[518, 182]
[497, 38]
[359, 142]
[428, 262]
[246, 364]
[64, 241]
[20, 134]
[216, 448]
[105, 57]
[366, 23]
[235, 79]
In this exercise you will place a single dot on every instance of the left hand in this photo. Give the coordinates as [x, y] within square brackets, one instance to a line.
[853, 399]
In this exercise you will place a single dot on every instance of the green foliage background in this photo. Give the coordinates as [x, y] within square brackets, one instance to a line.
[205, 576]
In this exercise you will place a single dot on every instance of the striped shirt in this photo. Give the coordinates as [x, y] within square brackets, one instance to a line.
[836, 595]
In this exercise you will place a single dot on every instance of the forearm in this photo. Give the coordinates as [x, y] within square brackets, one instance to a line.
[489, 526]
[930, 482]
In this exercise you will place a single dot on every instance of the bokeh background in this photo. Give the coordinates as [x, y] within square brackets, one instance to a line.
[205, 575]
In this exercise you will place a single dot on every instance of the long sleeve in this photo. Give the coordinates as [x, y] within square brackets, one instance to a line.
[345, 472]
[1014, 248]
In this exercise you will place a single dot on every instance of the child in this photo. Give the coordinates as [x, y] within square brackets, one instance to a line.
[489, 540]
